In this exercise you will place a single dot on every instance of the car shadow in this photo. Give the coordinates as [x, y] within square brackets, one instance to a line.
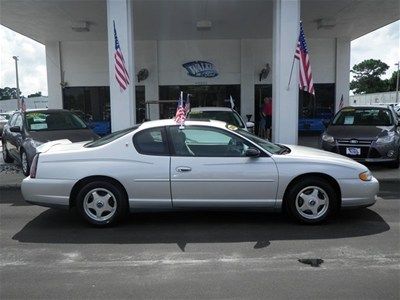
[182, 228]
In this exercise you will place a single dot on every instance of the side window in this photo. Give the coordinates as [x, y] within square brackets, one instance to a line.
[18, 121]
[151, 141]
[13, 119]
[205, 141]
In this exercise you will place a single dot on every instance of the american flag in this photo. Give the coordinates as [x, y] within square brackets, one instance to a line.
[121, 73]
[306, 79]
[341, 103]
[180, 115]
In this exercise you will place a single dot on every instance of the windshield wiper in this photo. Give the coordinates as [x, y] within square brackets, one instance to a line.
[284, 150]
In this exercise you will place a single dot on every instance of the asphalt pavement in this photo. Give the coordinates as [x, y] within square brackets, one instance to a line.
[52, 254]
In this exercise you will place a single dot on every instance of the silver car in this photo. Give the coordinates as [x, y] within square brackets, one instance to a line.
[366, 134]
[204, 164]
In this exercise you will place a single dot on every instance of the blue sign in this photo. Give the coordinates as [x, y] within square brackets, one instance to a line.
[200, 69]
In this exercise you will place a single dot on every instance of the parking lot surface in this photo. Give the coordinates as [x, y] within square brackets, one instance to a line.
[46, 253]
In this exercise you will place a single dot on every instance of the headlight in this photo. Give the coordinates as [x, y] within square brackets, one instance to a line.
[365, 176]
[327, 138]
[386, 139]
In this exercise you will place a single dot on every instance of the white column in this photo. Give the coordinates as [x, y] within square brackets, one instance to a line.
[54, 74]
[246, 80]
[285, 102]
[123, 104]
[342, 71]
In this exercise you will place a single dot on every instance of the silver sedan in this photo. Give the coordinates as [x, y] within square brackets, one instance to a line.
[207, 164]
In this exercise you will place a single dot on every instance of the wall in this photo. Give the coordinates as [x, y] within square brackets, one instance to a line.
[374, 98]
[34, 102]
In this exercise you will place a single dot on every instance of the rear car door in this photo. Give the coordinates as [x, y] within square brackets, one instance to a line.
[209, 168]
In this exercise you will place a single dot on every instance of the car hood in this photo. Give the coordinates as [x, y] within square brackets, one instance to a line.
[320, 156]
[77, 135]
[358, 132]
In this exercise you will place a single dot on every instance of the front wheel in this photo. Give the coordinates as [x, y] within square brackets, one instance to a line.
[312, 201]
[102, 203]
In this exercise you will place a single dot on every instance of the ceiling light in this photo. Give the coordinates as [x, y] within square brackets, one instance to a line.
[203, 25]
[82, 26]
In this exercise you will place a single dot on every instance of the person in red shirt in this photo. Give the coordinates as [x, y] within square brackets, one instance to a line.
[267, 112]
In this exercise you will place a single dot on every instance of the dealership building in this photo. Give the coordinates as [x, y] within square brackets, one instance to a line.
[209, 49]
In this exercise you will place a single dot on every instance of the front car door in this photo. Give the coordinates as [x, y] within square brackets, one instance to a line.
[209, 168]
[14, 139]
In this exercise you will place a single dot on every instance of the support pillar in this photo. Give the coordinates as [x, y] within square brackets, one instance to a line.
[285, 102]
[123, 102]
[342, 72]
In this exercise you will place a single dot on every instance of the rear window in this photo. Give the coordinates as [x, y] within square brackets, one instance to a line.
[229, 117]
[364, 117]
[56, 120]
[110, 137]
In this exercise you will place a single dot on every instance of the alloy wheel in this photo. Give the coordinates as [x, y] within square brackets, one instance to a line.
[24, 162]
[100, 204]
[312, 202]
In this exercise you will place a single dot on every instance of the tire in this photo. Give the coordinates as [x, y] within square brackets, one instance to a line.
[102, 203]
[6, 156]
[26, 168]
[312, 201]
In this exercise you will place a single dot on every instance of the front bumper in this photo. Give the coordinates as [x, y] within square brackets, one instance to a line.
[47, 192]
[370, 151]
[358, 193]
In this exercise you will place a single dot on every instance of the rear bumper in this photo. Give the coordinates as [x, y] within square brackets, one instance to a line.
[357, 193]
[47, 192]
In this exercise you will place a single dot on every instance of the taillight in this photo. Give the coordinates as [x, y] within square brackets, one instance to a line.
[32, 173]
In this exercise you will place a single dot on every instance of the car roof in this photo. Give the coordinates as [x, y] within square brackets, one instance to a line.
[211, 108]
[171, 122]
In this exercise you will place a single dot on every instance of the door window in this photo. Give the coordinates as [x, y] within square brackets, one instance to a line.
[18, 121]
[204, 141]
[151, 141]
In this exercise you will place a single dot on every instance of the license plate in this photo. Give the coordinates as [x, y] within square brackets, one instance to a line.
[353, 151]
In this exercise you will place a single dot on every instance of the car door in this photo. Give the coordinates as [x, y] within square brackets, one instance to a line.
[150, 186]
[209, 168]
[14, 139]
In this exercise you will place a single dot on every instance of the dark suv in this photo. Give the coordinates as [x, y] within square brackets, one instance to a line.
[365, 133]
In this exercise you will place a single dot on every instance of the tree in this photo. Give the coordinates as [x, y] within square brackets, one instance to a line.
[8, 93]
[37, 94]
[367, 77]
[391, 82]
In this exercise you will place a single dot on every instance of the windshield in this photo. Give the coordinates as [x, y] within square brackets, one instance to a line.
[111, 137]
[364, 117]
[53, 120]
[229, 117]
[266, 145]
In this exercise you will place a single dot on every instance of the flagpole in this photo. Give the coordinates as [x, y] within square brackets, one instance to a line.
[291, 72]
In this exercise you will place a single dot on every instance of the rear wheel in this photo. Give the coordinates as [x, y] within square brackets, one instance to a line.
[312, 201]
[6, 156]
[24, 163]
[102, 203]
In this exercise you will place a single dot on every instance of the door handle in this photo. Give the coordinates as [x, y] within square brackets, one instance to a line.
[183, 169]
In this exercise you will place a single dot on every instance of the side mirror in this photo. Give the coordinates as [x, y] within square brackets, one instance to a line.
[15, 129]
[252, 152]
[249, 125]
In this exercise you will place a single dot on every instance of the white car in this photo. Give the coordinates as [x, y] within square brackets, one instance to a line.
[206, 164]
[224, 114]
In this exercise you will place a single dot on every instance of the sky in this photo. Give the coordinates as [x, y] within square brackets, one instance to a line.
[383, 44]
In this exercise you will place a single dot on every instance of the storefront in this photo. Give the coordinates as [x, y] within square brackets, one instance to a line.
[211, 50]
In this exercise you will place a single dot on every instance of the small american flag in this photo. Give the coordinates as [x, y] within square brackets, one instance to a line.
[180, 115]
[121, 73]
[341, 103]
[306, 79]
[187, 103]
